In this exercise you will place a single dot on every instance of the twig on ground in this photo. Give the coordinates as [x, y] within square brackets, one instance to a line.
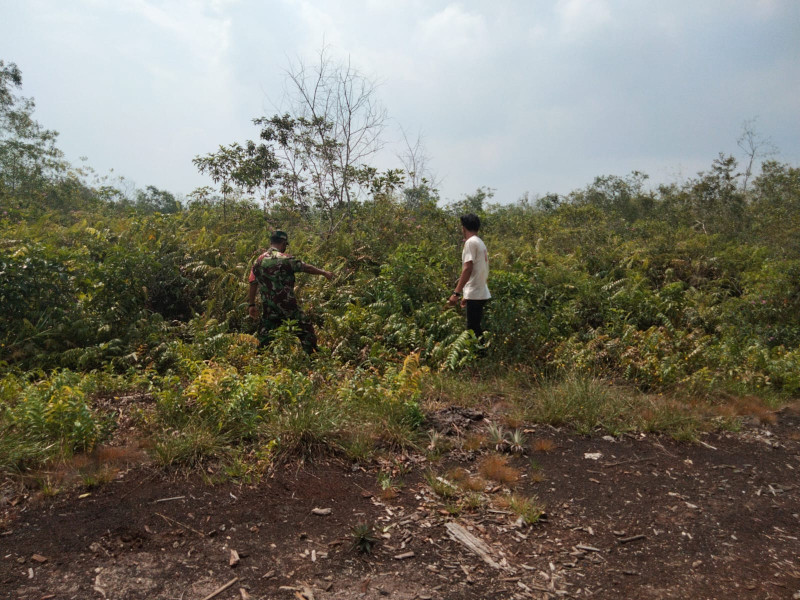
[664, 450]
[218, 591]
[632, 538]
[627, 462]
[168, 499]
[171, 520]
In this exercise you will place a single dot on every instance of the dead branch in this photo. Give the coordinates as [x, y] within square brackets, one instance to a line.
[218, 591]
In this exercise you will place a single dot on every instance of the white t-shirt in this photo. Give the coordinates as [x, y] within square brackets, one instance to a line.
[475, 251]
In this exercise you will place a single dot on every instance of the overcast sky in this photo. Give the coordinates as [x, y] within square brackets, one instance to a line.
[533, 96]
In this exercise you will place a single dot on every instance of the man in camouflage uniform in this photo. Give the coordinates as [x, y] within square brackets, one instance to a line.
[273, 274]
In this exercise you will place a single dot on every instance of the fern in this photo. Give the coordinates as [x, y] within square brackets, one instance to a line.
[460, 352]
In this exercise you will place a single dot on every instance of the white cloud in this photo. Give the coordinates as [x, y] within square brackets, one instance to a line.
[318, 26]
[580, 17]
[205, 38]
[454, 31]
[220, 5]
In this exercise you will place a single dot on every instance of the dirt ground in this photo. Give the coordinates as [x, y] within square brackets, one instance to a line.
[633, 517]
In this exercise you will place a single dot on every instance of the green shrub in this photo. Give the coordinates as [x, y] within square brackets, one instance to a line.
[219, 399]
[49, 416]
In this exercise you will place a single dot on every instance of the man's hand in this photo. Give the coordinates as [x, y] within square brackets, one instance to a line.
[452, 301]
[317, 271]
[253, 312]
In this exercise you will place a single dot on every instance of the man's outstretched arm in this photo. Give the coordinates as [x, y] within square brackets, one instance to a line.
[315, 271]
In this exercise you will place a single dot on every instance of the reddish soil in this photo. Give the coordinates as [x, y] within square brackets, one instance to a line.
[636, 517]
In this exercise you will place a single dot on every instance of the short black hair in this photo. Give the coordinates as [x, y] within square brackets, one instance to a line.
[471, 222]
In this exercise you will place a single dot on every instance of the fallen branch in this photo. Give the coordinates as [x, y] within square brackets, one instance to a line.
[632, 538]
[218, 591]
[171, 520]
[627, 462]
[478, 546]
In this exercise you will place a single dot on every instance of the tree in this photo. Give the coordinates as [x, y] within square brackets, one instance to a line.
[420, 183]
[10, 76]
[316, 153]
[258, 169]
[549, 202]
[775, 208]
[222, 166]
[28, 152]
[473, 203]
[415, 162]
[755, 146]
[718, 204]
[333, 126]
[623, 196]
[153, 200]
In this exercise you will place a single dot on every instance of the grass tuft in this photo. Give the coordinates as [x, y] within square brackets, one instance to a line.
[19, 452]
[188, 447]
[496, 468]
[441, 487]
[309, 427]
[363, 536]
[474, 442]
[527, 507]
[544, 445]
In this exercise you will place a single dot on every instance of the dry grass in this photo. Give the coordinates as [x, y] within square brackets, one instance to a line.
[465, 480]
[473, 484]
[536, 477]
[544, 445]
[389, 493]
[513, 421]
[496, 468]
[748, 406]
[118, 455]
[474, 441]
[99, 467]
[457, 475]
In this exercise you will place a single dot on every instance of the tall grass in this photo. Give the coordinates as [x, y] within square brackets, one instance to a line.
[590, 406]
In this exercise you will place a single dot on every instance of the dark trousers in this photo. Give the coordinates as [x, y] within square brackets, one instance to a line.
[475, 315]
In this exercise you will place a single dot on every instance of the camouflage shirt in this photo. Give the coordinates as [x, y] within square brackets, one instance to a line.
[274, 272]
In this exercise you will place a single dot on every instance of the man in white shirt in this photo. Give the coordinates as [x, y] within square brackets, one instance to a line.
[471, 287]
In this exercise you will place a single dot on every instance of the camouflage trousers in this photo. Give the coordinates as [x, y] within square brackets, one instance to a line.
[305, 334]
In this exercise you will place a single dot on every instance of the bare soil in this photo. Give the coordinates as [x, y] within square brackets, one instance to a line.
[633, 517]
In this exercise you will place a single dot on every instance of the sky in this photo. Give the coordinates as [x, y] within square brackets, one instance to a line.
[521, 96]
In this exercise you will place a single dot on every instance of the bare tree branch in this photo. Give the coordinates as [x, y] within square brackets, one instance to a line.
[755, 147]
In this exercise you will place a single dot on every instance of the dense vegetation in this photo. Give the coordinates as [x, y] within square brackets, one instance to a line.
[687, 294]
